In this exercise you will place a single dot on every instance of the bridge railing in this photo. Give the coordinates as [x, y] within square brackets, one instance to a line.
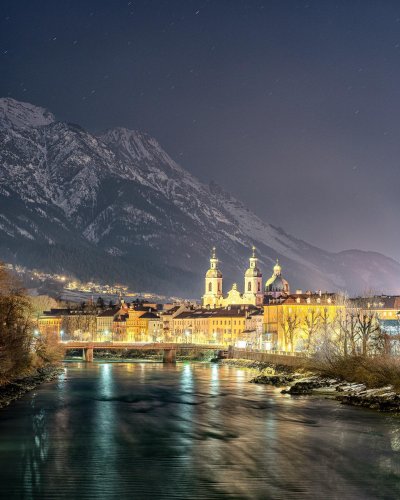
[276, 357]
[138, 345]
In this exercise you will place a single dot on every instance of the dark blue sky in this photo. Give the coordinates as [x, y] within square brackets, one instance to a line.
[293, 106]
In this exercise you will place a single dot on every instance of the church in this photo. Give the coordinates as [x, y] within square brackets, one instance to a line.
[253, 293]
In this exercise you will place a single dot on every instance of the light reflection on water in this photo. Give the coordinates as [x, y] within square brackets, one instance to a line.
[147, 430]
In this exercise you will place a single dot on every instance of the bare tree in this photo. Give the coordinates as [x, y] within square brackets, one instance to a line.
[347, 327]
[368, 329]
[290, 323]
[79, 325]
[41, 303]
[311, 325]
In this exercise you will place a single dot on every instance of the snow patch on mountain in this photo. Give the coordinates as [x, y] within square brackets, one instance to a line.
[23, 114]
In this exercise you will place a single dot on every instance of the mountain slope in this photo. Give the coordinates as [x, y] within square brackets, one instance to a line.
[116, 207]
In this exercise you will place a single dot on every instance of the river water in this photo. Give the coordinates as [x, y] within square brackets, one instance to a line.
[190, 431]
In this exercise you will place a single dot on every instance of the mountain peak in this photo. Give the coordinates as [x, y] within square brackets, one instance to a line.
[19, 114]
[137, 146]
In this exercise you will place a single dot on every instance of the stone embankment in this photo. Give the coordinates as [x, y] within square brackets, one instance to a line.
[14, 390]
[303, 382]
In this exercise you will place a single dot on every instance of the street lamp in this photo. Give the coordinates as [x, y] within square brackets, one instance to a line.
[61, 334]
[187, 333]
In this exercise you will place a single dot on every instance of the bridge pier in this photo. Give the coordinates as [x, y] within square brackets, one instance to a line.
[230, 352]
[169, 356]
[88, 354]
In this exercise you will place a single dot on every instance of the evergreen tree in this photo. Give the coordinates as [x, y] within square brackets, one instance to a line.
[100, 303]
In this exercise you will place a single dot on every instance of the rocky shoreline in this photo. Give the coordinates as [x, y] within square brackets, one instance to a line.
[17, 388]
[384, 399]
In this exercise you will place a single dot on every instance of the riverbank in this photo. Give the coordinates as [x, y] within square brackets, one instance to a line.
[17, 388]
[308, 382]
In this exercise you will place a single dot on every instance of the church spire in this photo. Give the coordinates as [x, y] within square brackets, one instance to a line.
[214, 259]
[253, 259]
[277, 268]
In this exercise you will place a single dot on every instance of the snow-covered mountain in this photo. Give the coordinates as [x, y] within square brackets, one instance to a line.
[117, 207]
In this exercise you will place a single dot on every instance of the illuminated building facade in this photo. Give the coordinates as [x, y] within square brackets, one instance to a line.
[142, 324]
[50, 324]
[290, 321]
[231, 325]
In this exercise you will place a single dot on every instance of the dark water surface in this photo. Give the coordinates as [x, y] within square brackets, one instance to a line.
[147, 430]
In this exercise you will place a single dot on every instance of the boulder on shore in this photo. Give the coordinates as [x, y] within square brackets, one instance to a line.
[276, 380]
[381, 399]
[307, 385]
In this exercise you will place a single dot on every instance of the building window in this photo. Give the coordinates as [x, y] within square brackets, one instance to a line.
[249, 287]
[209, 286]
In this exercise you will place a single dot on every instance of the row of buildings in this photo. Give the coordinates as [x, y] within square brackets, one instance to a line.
[183, 323]
[262, 317]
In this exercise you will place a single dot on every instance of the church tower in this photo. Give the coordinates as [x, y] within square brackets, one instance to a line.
[253, 290]
[213, 283]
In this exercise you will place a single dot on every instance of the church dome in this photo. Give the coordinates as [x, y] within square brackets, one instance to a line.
[276, 284]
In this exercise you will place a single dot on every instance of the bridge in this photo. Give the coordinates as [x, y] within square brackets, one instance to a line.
[169, 349]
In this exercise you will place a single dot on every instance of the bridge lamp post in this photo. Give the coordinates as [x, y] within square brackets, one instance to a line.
[187, 333]
[61, 335]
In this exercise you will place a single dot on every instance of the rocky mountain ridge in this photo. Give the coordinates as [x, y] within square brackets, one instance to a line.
[116, 206]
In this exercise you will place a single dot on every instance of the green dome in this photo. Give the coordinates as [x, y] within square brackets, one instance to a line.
[276, 284]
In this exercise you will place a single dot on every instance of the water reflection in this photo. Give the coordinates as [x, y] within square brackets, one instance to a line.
[144, 430]
[35, 451]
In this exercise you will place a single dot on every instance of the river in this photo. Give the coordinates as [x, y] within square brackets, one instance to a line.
[190, 431]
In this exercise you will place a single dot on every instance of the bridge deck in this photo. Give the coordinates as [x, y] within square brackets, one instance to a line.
[156, 346]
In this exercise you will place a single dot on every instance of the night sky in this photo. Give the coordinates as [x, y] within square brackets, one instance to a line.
[293, 106]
